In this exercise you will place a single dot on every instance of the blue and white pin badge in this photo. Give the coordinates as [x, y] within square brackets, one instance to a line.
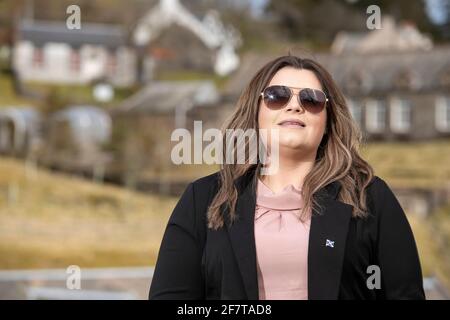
[329, 243]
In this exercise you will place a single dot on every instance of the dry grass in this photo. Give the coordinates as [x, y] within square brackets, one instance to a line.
[186, 172]
[415, 164]
[432, 242]
[440, 239]
[52, 220]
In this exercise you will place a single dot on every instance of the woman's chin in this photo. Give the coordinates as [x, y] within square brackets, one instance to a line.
[293, 144]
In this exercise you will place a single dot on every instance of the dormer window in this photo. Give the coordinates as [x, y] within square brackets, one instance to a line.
[407, 80]
[358, 82]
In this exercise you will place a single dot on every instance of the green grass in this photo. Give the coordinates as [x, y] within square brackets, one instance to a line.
[58, 96]
[8, 96]
[55, 96]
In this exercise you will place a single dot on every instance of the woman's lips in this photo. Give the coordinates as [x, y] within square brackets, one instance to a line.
[292, 124]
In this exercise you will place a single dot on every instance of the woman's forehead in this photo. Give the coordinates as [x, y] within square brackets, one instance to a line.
[297, 78]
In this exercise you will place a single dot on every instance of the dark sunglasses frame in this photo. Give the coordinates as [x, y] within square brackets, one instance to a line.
[295, 94]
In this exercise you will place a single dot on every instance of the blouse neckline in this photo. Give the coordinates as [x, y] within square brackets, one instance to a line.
[290, 198]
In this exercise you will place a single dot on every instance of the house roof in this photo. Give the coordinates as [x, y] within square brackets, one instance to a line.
[391, 37]
[42, 32]
[383, 70]
[380, 70]
[166, 96]
[87, 123]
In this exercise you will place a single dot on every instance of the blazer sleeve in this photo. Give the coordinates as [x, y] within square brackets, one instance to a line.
[401, 274]
[177, 273]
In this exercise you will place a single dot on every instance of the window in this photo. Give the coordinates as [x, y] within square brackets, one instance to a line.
[38, 58]
[375, 116]
[407, 79]
[356, 111]
[400, 115]
[112, 64]
[358, 81]
[442, 114]
[445, 77]
[74, 61]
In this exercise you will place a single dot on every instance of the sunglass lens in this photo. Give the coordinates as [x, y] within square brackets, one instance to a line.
[312, 100]
[276, 97]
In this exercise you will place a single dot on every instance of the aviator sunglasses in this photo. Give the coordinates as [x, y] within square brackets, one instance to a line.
[277, 96]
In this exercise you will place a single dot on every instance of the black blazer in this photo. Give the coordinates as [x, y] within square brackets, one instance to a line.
[195, 262]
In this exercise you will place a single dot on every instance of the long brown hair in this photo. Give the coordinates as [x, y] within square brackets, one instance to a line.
[337, 157]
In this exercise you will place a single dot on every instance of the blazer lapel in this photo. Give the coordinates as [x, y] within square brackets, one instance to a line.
[242, 235]
[327, 239]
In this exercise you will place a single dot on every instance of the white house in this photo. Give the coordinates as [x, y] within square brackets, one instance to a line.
[48, 51]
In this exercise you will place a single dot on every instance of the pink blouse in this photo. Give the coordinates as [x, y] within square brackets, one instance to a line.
[281, 244]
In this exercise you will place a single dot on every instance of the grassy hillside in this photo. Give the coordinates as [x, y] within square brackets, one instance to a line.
[8, 97]
[414, 164]
[55, 96]
[52, 220]
[433, 240]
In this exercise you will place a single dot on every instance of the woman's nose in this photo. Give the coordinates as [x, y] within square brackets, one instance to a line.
[294, 105]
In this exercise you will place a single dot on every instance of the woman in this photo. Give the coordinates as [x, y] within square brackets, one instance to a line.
[320, 226]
